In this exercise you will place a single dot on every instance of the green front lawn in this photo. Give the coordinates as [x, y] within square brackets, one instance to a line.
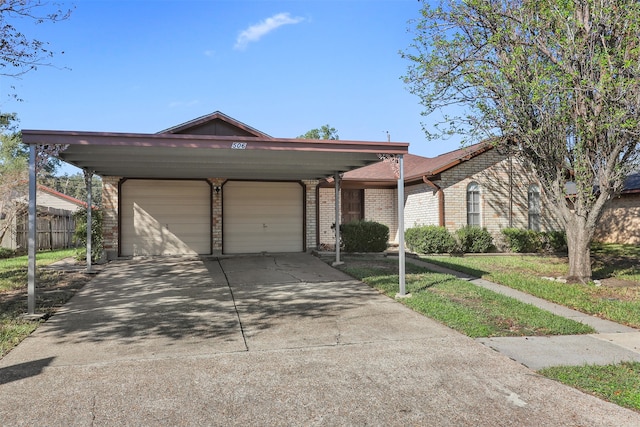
[617, 299]
[619, 384]
[53, 290]
[13, 271]
[467, 308]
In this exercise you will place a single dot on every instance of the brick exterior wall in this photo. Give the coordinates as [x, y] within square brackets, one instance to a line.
[216, 215]
[110, 215]
[490, 171]
[327, 215]
[380, 205]
[620, 222]
[420, 206]
[310, 213]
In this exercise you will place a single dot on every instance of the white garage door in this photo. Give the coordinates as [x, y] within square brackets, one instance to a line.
[165, 217]
[262, 217]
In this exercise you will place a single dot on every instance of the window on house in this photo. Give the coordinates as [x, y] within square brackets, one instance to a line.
[534, 207]
[473, 204]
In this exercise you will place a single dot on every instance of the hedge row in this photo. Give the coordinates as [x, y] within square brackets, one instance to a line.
[432, 239]
[528, 241]
[371, 236]
[364, 236]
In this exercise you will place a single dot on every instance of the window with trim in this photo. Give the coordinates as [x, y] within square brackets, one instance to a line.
[534, 207]
[473, 204]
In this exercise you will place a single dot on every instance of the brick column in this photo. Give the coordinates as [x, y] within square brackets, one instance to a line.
[216, 215]
[311, 204]
[110, 215]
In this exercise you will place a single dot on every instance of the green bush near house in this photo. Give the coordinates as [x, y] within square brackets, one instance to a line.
[555, 241]
[429, 239]
[522, 241]
[474, 239]
[529, 241]
[364, 236]
[7, 253]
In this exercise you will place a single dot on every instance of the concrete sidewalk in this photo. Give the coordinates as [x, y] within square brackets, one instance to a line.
[613, 343]
[267, 340]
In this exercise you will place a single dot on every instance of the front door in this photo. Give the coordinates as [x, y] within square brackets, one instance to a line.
[352, 205]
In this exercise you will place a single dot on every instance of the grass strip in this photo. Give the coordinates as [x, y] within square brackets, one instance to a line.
[620, 304]
[472, 310]
[618, 383]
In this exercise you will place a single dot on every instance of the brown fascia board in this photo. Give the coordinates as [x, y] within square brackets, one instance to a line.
[214, 116]
[30, 136]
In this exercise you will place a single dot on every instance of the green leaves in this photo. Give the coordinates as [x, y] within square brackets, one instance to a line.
[560, 79]
[324, 132]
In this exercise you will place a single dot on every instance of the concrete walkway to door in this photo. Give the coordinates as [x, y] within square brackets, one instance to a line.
[267, 340]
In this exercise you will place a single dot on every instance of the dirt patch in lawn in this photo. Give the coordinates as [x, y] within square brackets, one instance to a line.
[613, 282]
[53, 289]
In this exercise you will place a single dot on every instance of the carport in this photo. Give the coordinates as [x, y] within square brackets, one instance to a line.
[173, 154]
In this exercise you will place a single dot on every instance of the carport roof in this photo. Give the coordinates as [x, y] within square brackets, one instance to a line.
[170, 155]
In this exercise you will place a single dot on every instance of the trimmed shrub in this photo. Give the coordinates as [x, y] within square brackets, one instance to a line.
[429, 239]
[7, 253]
[364, 236]
[522, 241]
[80, 234]
[555, 241]
[474, 239]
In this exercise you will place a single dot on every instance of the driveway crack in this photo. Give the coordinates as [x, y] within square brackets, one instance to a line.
[235, 306]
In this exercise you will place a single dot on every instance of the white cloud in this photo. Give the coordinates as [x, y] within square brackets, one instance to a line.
[257, 31]
[209, 52]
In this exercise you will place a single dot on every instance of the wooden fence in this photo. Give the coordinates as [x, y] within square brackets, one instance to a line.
[55, 228]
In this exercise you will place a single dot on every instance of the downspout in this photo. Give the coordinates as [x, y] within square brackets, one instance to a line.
[440, 194]
[510, 188]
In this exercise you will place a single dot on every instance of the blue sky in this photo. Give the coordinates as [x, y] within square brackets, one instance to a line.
[283, 67]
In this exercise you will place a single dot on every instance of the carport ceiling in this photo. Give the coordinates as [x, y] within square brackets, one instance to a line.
[203, 156]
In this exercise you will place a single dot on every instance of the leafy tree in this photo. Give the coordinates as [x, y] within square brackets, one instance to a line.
[14, 175]
[325, 132]
[75, 186]
[559, 81]
[20, 54]
[80, 234]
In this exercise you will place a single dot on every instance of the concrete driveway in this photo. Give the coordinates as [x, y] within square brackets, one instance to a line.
[267, 340]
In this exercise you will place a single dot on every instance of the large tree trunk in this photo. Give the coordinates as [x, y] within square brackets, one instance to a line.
[579, 244]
